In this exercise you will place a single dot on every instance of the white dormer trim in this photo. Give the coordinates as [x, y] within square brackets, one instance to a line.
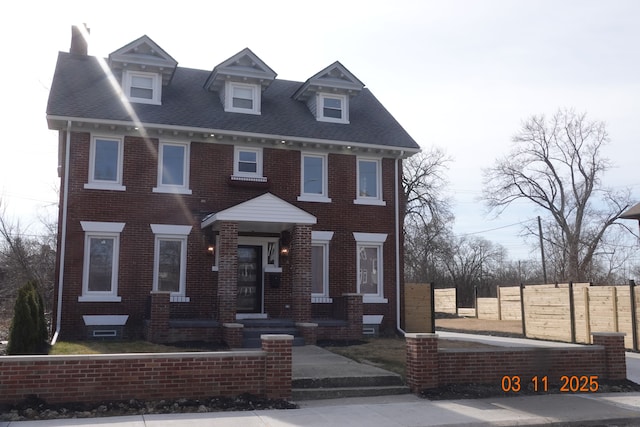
[143, 55]
[245, 67]
[251, 90]
[328, 104]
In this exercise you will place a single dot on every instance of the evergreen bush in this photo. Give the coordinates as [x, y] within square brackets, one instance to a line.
[28, 333]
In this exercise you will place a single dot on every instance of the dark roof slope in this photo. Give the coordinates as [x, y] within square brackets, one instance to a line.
[80, 89]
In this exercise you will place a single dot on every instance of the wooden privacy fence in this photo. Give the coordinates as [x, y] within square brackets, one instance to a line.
[419, 307]
[445, 300]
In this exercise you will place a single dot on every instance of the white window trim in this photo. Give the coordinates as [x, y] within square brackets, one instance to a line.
[259, 166]
[313, 197]
[371, 240]
[97, 184]
[322, 238]
[362, 200]
[110, 230]
[344, 101]
[228, 97]
[127, 78]
[172, 232]
[174, 189]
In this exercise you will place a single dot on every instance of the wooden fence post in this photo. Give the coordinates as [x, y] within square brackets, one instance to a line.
[433, 307]
[614, 308]
[587, 316]
[524, 324]
[634, 320]
[499, 304]
[475, 300]
[572, 313]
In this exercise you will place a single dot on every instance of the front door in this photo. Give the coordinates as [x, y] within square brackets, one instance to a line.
[249, 279]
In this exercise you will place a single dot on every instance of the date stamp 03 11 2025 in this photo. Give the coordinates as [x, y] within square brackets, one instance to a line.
[568, 383]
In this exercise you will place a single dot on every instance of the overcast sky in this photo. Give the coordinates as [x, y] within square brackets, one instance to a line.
[457, 74]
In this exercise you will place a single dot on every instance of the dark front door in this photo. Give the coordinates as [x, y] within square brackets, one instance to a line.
[249, 279]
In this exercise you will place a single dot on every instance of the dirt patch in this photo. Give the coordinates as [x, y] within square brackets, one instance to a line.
[512, 328]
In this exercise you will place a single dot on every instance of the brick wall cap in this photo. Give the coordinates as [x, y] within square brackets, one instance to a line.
[306, 325]
[276, 337]
[608, 334]
[130, 356]
[420, 335]
[160, 292]
[233, 325]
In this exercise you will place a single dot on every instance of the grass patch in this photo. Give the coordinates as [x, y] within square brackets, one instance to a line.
[113, 347]
[385, 353]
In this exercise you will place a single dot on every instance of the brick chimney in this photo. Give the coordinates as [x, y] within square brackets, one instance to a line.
[79, 43]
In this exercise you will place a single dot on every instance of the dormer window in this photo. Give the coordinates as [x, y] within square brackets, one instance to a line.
[242, 98]
[333, 108]
[142, 87]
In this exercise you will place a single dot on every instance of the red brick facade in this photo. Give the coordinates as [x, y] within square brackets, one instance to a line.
[211, 294]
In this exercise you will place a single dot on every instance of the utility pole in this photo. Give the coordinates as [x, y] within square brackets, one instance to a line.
[544, 266]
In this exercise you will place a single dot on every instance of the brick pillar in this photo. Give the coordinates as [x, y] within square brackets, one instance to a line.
[227, 272]
[422, 361]
[278, 365]
[301, 273]
[354, 312]
[232, 334]
[309, 332]
[615, 362]
[159, 319]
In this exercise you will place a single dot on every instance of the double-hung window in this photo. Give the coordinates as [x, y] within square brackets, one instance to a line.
[100, 265]
[314, 180]
[142, 87]
[332, 108]
[247, 164]
[170, 260]
[369, 182]
[242, 98]
[369, 266]
[105, 164]
[173, 168]
[320, 266]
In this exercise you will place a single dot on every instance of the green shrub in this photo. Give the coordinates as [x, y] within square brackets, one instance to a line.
[28, 333]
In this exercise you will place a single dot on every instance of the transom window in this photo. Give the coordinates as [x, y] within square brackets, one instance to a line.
[314, 178]
[100, 267]
[242, 98]
[332, 108]
[173, 168]
[105, 164]
[142, 87]
[369, 182]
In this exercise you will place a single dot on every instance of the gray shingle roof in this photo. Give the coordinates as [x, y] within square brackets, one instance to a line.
[80, 90]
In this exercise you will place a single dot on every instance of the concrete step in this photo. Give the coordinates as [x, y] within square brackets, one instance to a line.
[341, 392]
[257, 342]
[256, 332]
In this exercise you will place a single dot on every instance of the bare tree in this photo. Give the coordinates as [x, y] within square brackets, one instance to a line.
[557, 164]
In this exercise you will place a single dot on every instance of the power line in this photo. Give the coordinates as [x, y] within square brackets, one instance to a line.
[498, 228]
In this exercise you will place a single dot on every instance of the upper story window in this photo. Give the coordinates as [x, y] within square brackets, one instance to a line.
[173, 168]
[314, 183]
[247, 164]
[105, 164]
[100, 266]
[142, 87]
[369, 182]
[242, 98]
[332, 108]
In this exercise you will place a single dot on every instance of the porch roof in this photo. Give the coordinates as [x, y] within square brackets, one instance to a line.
[632, 213]
[265, 213]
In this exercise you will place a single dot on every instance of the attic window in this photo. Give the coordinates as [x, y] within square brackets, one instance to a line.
[332, 108]
[142, 87]
[242, 98]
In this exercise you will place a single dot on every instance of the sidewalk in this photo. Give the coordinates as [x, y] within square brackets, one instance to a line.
[394, 411]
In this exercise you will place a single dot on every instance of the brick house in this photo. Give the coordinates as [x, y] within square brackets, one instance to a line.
[194, 202]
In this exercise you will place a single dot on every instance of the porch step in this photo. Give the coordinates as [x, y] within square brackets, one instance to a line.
[254, 328]
[335, 388]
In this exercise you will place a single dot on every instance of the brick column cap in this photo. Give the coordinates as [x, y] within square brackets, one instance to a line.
[276, 337]
[608, 334]
[306, 325]
[233, 325]
[420, 335]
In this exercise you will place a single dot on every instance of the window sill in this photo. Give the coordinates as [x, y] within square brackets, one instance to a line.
[95, 298]
[321, 300]
[100, 186]
[371, 202]
[374, 300]
[316, 199]
[172, 190]
[178, 298]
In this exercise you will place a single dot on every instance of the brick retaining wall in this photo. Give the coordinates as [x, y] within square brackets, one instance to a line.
[428, 367]
[105, 377]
